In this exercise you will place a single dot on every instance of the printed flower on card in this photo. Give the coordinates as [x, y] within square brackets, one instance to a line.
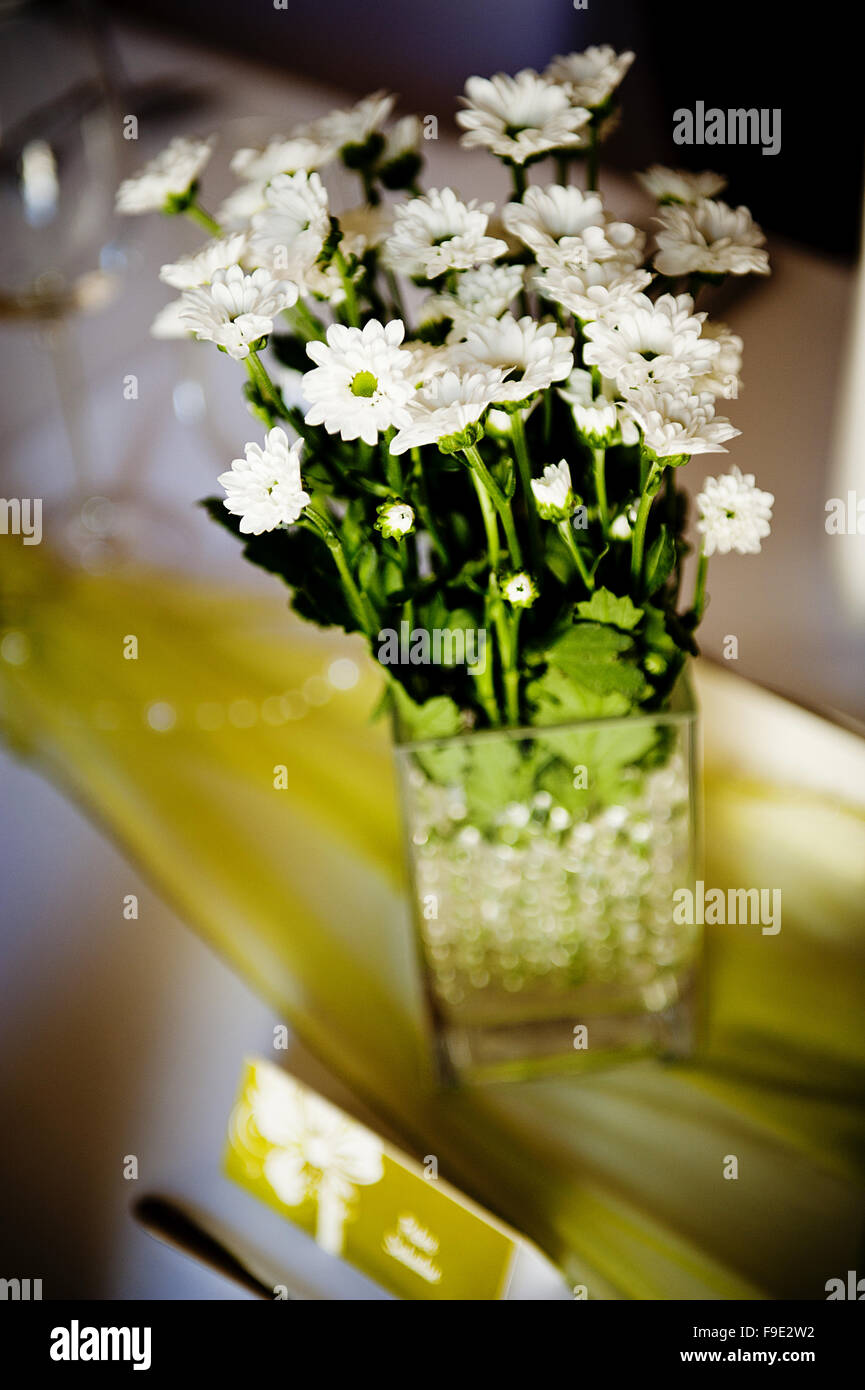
[318, 1153]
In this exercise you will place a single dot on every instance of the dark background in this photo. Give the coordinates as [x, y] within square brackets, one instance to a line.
[737, 53]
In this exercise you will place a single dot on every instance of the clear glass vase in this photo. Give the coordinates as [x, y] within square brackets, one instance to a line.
[544, 864]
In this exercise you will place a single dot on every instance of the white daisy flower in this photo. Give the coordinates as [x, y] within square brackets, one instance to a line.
[438, 232]
[198, 268]
[733, 514]
[283, 154]
[364, 227]
[428, 361]
[447, 409]
[520, 118]
[678, 423]
[484, 293]
[354, 126]
[290, 232]
[566, 227]
[395, 520]
[265, 488]
[170, 323]
[596, 417]
[519, 590]
[170, 175]
[400, 160]
[709, 238]
[534, 354]
[241, 205]
[591, 77]
[360, 385]
[680, 185]
[724, 378]
[602, 289]
[554, 493]
[644, 343]
[235, 310]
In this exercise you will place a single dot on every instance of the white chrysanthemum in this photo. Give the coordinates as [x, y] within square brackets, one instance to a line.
[596, 417]
[645, 343]
[724, 378]
[283, 154]
[170, 323]
[235, 310]
[709, 238]
[403, 138]
[265, 488]
[733, 514]
[520, 118]
[448, 405]
[170, 175]
[361, 383]
[289, 234]
[603, 288]
[395, 519]
[680, 185]
[484, 293]
[198, 268]
[519, 590]
[355, 125]
[566, 227]
[364, 227]
[534, 354]
[438, 232]
[553, 492]
[241, 205]
[428, 361]
[591, 77]
[676, 423]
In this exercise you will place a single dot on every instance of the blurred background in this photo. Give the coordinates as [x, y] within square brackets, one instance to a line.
[119, 475]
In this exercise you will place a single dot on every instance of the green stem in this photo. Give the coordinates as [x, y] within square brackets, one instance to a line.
[351, 309]
[424, 510]
[638, 540]
[260, 379]
[700, 586]
[524, 467]
[501, 503]
[510, 671]
[518, 173]
[307, 321]
[484, 679]
[599, 462]
[491, 526]
[361, 605]
[197, 213]
[396, 297]
[566, 532]
[563, 169]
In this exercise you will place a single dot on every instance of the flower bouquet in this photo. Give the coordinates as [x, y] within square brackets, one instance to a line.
[473, 422]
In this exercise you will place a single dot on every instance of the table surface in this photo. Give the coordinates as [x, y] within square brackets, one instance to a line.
[142, 1054]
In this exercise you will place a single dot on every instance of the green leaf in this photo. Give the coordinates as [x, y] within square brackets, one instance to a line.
[606, 607]
[660, 560]
[438, 718]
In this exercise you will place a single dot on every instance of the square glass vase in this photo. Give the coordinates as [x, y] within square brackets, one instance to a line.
[544, 864]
